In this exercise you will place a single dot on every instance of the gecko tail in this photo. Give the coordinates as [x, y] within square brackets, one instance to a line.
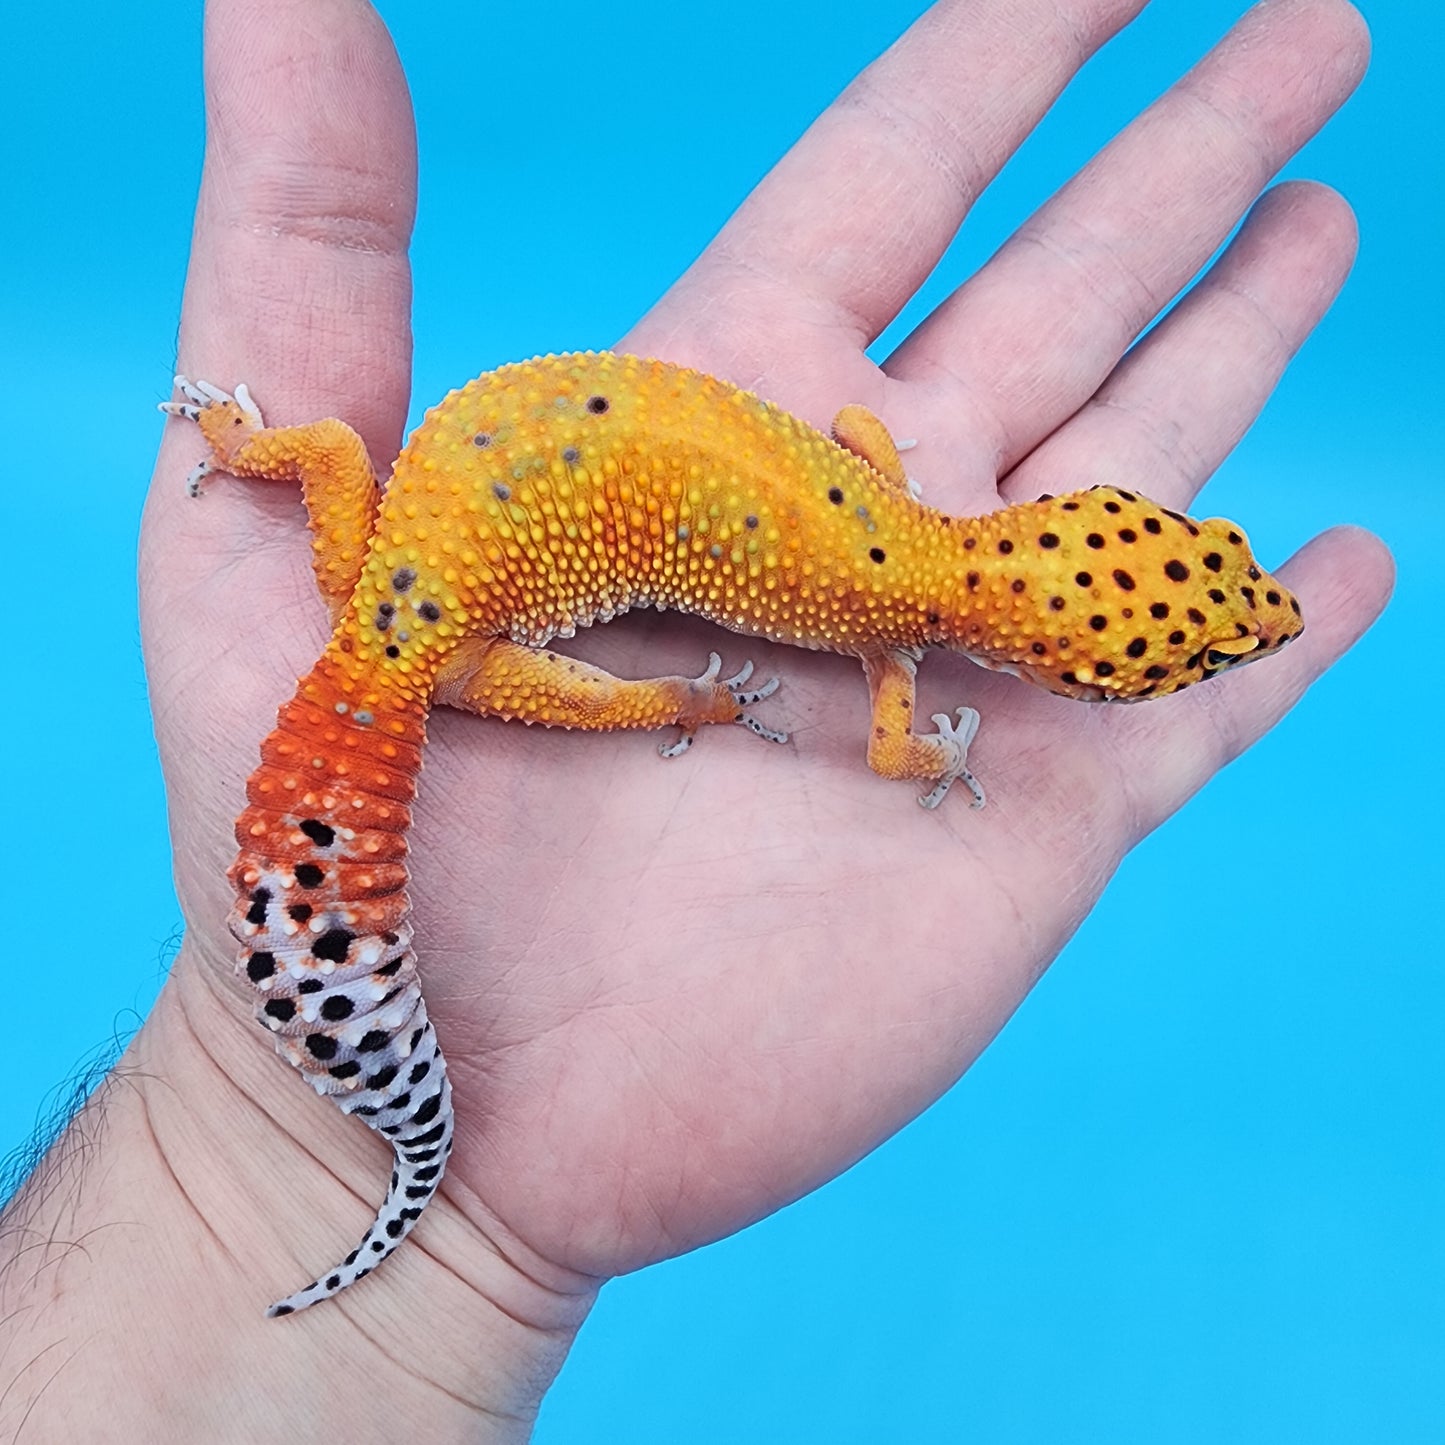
[419, 1124]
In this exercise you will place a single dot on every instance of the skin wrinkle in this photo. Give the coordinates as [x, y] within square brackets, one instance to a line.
[928, 137]
[1094, 265]
[181, 1189]
[1261, 318]
[1162, 436]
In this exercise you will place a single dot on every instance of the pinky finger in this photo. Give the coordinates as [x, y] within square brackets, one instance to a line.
[1343, 579]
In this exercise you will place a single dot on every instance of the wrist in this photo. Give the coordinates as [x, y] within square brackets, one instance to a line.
[198, 1184]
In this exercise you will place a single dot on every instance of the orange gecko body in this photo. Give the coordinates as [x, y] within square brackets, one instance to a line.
[555, 493]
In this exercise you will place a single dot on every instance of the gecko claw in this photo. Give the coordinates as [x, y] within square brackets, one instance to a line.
[956, 738]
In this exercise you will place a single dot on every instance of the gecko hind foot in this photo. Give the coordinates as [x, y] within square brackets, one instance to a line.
[727, 694]
[957, 736]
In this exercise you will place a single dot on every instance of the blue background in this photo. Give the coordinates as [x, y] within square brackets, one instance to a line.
[1192, 1193]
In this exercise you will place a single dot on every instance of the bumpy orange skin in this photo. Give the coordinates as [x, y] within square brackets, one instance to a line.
[560, 491]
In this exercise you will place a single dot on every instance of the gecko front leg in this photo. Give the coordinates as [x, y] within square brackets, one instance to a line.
[896, 751]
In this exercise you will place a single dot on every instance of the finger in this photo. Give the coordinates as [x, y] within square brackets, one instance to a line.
[298, 282]
[1181, 399]
[850, 222]
[1034, 333]
[1343, 580]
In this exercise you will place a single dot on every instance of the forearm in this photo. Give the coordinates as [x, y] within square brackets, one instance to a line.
[136, 1264]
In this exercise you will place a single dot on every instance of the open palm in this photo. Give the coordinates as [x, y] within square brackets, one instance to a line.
[676, 995]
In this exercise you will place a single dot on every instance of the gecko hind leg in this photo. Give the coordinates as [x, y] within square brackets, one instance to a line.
[338, 482]
[500, 678]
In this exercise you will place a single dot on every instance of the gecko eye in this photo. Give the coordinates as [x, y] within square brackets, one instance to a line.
[1230, 651]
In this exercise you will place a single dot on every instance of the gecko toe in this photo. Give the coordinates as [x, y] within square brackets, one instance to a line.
[956, 738]
[772, 735]
[675, 749]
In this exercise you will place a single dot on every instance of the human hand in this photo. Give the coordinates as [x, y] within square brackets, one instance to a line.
[675, 996]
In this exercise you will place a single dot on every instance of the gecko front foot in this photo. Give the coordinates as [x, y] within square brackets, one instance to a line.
[956, 738]
[226, 422]
[717, 700]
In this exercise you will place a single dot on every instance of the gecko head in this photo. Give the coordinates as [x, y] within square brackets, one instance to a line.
[1106, 596]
